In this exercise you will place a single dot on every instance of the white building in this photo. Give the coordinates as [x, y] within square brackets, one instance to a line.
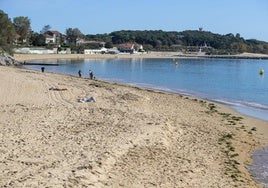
[95, 51]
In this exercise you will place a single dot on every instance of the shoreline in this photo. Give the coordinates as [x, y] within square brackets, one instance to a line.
[242, 109]
[130, 135]
[27, 57]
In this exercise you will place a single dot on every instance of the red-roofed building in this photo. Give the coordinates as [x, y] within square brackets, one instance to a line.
[130, 47]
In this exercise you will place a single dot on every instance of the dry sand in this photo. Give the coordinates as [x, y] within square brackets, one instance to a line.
[129, 137]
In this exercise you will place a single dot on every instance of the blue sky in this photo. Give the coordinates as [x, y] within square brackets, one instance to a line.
[249, 18]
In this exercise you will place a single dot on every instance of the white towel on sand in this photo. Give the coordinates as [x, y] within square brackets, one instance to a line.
[90, 99]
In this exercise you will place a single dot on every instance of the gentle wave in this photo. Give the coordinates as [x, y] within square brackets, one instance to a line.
[203, 96]
[241, 104]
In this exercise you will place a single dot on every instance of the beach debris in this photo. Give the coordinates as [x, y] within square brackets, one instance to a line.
[90, 99]
[57, 89]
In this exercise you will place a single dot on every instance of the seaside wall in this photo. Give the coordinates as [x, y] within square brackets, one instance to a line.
[41, 51]
[34, 51]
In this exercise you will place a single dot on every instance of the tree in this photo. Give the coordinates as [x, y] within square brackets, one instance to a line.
[7, 35]
[73, 34]
[37, 39]
[23, 28]
[239, 47]
[45, 29]
[108, 45]
[237, 36]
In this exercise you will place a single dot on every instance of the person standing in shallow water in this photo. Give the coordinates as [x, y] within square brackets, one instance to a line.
[42, 69]
[80, 73]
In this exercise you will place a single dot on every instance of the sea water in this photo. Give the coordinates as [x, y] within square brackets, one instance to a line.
[235, 82]
[259, 169]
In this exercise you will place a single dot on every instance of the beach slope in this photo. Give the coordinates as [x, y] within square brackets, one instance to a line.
[128, 137]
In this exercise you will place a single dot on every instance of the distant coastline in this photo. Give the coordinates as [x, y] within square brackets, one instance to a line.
[238, 56]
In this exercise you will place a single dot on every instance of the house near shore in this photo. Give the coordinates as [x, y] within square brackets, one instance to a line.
[54, 37]
[130, 48]
[18, 40]
[101, 51]
[198, 50]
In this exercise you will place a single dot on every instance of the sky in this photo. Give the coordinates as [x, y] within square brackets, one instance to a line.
[249, 18]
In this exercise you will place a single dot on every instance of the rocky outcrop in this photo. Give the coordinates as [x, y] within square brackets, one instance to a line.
[6, 59]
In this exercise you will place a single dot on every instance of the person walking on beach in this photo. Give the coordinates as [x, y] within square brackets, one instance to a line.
[91, 75]
[42, 69]
[80, 73]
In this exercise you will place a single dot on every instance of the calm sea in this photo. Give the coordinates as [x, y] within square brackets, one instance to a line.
[235, 82]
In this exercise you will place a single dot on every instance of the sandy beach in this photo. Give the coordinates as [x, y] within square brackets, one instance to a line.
[128, 137]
